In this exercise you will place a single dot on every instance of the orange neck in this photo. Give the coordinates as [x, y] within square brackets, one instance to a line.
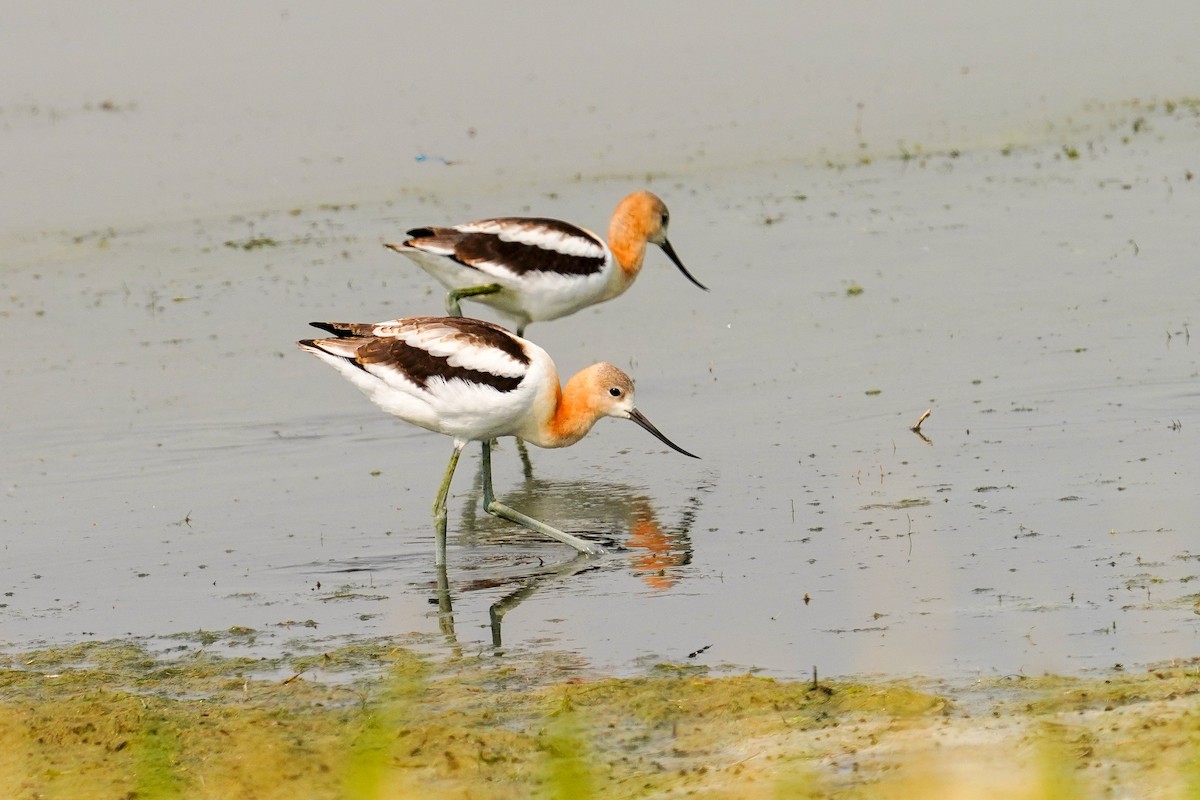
[573, 415]
[627, 240]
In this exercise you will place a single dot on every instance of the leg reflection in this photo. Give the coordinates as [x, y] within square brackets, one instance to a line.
[526, 464]
[513, 599]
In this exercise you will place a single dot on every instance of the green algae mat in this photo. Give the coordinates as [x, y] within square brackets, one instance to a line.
[377, 720]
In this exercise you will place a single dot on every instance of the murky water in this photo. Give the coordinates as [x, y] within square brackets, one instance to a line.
[173, 463]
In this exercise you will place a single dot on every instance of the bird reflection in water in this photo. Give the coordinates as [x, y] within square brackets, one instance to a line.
[654, 552]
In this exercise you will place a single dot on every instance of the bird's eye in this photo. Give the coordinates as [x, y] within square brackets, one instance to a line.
[615, 391]
[665, 219]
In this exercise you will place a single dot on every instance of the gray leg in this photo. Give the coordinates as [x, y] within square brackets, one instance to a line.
[445, 605]
[495, 507]
[452, 307]
[439, 506]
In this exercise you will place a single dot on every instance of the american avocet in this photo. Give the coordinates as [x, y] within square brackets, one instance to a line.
[532, 269]
[475, 381]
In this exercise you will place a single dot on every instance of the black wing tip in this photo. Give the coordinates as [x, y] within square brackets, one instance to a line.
[314, 346]
[331, 327]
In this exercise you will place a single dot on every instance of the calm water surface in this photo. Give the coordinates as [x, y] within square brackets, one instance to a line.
[172, 462]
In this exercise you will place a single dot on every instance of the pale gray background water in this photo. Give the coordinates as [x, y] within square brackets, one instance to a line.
[172, 463]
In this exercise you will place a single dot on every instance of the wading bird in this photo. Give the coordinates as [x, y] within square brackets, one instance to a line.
[532, 269]
[475, 381]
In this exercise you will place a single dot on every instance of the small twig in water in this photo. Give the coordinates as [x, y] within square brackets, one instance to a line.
[917, 428]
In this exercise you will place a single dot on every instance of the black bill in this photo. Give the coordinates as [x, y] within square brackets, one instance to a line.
[640, 419]
[670, 251]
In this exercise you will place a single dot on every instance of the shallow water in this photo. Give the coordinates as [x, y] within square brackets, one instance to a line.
[173, 463]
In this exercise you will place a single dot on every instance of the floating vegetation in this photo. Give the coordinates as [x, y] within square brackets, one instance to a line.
[900, 505]
[253, 243]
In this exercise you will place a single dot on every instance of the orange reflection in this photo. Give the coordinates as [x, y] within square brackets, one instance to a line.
[655, 552]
